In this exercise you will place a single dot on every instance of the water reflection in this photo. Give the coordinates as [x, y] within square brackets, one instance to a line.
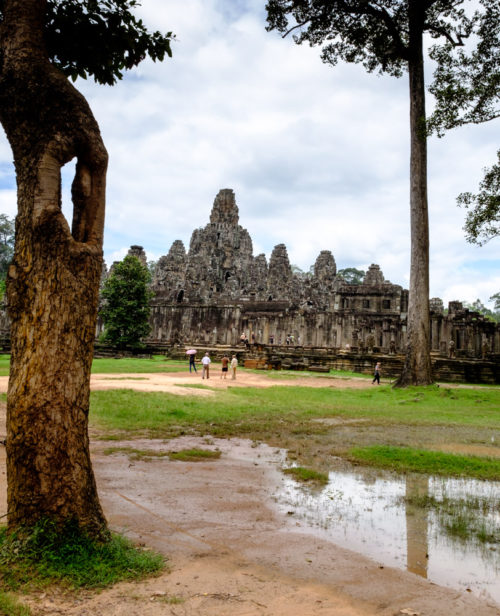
[416, 525]
[382, 517]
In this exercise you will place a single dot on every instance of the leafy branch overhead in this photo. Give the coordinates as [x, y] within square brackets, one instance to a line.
[100, 39]
[483, 218]
[375, 34]
[466, 87]
[466, 83]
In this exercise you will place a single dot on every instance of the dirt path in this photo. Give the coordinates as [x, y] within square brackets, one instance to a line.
[230, 551]
[175, 382]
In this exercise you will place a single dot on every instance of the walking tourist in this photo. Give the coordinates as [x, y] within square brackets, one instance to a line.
[234, 365]
[206, 366]
[376, 376]
[225, 364]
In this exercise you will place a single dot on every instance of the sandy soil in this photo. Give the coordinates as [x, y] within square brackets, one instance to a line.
[230, 551]
[175, 382]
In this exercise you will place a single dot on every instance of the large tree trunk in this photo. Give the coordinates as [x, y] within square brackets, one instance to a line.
[417, 366]
[53, 282]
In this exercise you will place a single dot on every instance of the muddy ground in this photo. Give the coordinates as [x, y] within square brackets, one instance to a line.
[230, 551]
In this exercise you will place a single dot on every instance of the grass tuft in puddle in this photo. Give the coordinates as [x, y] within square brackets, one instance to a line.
[194, 455]
[464, 519]
[306, 475]
[136, 454]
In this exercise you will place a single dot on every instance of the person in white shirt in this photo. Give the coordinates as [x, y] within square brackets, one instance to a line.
[234, 365]
[206, 366]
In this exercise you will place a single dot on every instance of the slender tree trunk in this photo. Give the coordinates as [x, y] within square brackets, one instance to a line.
[53, 282]
[417, 366]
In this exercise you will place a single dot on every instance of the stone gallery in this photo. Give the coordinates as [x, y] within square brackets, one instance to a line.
[218, 291]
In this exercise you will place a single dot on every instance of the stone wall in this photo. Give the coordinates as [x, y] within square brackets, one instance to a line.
[317, 359]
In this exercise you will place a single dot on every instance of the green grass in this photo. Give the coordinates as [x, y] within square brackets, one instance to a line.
[473, 518]
[306, 475]
[4, 365]
[11, 606]
[185, 455]
[131, 411]
[157, 363]
[194, 455]
[136, 454]
[296, 374]
[405, 459]
[69, 558]
[193, 385]
[348, 374]
[106, 365]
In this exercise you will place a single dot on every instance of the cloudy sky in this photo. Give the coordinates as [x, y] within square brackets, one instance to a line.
[318, 156]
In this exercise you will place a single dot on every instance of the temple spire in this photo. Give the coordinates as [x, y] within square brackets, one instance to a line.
[225, 210]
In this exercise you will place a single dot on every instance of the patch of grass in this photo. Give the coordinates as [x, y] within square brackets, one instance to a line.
[109, 365]
[406, 459]
[349, 374]
[295, 374]
[127, 378]
[193, 385]
[129, 410]
[4, 365]
[69, 558]
[306, 475]
[194, 455]
[136, 454]
[458, 526]
[485, 534]
[470, 518]
[10, 606]
[157, 363]
[285, 374]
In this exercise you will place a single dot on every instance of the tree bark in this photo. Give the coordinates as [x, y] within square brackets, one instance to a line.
[53, 282]
[417, 365]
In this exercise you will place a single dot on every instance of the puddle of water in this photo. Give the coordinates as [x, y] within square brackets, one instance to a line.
[374, 515]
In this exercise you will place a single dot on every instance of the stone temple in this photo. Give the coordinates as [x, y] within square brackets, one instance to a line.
[218, 290]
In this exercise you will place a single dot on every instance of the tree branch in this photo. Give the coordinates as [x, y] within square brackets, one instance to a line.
[300, 25]
[448, 36]
[382, 15]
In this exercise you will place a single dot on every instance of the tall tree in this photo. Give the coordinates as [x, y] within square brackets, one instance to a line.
[466, 87]
[53, 281]
[126, 310]
[387, 36]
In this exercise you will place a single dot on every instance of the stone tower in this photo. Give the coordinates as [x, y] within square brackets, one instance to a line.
[325, 268]
[170, 273]
[220, 255]
[374, 275]
[138, 251]
[280, 273]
